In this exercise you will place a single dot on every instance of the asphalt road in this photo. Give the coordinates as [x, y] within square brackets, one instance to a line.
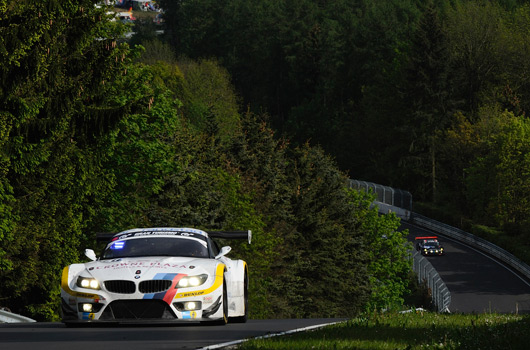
[56, 336]
[477, 282]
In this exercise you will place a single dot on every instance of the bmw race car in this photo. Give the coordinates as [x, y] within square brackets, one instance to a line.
[158, 275]
[429, 245]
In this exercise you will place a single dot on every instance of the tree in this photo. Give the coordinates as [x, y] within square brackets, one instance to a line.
[429, 92]
[475, 30]
[498, 180]
[58, 62]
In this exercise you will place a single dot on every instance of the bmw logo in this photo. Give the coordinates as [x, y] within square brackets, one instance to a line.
[137, 277]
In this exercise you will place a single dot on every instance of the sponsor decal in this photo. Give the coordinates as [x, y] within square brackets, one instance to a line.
[207, 299]
[88, 316]
[191, 294]
[189, 314]
[162, 232]
[147, 264]
[138, 272]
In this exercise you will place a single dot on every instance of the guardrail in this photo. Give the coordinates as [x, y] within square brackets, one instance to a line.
[473, 241]
[386, 201]
[9, 317]
[440, 295]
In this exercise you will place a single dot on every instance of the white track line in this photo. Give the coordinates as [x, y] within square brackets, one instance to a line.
[236, 342]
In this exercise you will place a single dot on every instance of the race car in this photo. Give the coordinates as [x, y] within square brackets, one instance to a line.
[166, 275]
[429, 245]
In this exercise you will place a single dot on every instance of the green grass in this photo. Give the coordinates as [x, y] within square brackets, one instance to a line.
[414, 330]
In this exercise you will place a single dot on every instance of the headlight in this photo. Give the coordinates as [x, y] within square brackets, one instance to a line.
[192, 281]
[87, 282]
[188, 306]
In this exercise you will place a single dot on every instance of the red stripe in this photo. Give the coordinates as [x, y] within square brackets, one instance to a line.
[168, 298]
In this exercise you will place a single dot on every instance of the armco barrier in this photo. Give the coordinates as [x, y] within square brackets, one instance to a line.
[9, 317]
[440, 294]
[473, 241]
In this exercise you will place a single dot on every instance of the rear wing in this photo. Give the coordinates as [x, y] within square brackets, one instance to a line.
[107, 236]
[104, 236]
[427, 237]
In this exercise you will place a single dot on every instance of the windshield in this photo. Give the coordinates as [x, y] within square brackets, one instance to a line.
[432, 244]
[156, 246]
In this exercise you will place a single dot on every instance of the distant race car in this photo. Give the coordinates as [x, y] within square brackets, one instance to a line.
[429, 245]
[158, 275]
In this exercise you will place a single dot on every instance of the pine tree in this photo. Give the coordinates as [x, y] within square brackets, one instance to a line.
[429, 97]
[58, 62]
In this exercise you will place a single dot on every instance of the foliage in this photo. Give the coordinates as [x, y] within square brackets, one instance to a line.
[502, 193]
[326, 274]
[390, 261]
[412, 330]
[383, 86]
[56, 110]
[96, 136]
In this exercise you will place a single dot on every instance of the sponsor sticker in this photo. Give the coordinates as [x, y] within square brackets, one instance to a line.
[88, 316]
[189, 314]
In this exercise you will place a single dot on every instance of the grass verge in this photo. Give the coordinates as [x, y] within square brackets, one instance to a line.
[413, 330]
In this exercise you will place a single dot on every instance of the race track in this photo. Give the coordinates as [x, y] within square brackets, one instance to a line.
[56, 336]
[477, 282]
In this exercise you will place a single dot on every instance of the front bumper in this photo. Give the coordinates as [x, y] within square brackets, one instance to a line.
[203, 303]
[432, 252]
[138, 311]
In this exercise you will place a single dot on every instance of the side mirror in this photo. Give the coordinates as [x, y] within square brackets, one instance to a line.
[223, 252]
[89, 253]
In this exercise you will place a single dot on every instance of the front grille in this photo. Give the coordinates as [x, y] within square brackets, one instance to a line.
[154, 286]
[120, 286]
[137, 309]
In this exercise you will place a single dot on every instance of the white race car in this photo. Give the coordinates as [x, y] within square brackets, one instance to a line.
[158, 275]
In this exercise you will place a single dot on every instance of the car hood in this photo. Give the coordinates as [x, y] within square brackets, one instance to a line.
[149, 267]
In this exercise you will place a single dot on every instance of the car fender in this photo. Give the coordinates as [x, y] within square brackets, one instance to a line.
[235, 280]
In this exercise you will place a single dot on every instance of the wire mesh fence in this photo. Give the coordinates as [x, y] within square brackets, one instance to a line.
[384, 194]
[440, 294]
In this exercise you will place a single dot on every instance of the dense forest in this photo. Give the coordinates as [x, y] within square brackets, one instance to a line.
[253, 115]
[426, 96]
[99, 134]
